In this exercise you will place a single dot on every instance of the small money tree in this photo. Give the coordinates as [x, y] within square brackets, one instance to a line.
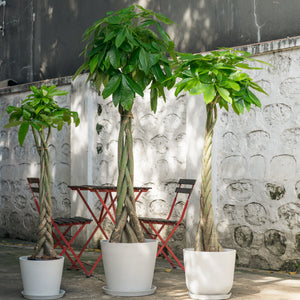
[219, 77]
[124, 56]
[40, 112]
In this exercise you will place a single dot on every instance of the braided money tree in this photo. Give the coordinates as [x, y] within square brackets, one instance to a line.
[123, 56]
[40, 112]
[218, 76]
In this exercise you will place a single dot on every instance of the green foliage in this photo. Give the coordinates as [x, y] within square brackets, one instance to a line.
[40, 111]
[125, 56]
[219, 77]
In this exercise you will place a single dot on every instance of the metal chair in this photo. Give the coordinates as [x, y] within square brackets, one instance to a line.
[67, 224]
[156, 225]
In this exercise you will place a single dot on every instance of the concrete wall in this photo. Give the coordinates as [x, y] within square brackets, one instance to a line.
[257, 170]
[42, 39]
[256, 161]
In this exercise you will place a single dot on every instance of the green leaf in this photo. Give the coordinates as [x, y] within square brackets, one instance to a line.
[199, 88]
[134, 86]
[114, 57]
[163, 34]
[39, 109]
[23, 132]
[144, 61]
[224, 94]
[114, 19]
[26, 114]
[120, 38]
[35, 89]
[153, 59]
[58, 92]
[153, 99]
[163, 19]
[232, 84]
[254, 99]
[178, 90]
[10, 109]
[13, 124]
[93, 63]
[127, 95]
[239, 104]
[111, 86]
[132, 41]
[117, 96]
[158, 73]
[80, 70]
[209, 93]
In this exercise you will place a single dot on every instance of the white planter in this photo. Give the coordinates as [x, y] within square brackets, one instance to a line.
[209, 275]
[42, 278]
[129, 267]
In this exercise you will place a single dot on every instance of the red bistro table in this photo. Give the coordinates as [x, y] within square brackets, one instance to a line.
[107, 196]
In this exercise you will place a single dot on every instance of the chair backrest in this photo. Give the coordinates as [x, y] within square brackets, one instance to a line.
[184, 186]
[34, 184]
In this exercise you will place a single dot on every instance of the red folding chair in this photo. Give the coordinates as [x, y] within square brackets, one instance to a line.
[156, 225]
[65, 223]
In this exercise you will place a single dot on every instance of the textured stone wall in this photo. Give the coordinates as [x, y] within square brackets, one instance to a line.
[257, 170]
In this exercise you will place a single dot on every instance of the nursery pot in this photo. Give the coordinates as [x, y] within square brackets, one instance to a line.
[209, 275]
[41, 278]
[129, 267]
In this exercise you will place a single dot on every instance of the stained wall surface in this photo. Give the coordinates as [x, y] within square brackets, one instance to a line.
[257, 170]
[255, 160]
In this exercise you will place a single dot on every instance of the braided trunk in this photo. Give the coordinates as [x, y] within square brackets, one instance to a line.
[206, 235]
[45, 245]
[128, 228]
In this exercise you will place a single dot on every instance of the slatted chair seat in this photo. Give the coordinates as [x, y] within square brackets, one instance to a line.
[73, 221]
[185, 186]
[158, 221]
[60, 236]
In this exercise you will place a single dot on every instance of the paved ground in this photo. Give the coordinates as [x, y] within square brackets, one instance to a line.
[248, 284]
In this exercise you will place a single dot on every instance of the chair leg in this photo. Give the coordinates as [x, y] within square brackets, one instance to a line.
[164, 245]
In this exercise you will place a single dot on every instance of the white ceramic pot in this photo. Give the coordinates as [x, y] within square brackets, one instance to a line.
[209, 275]
[42, 278]
[129, 267]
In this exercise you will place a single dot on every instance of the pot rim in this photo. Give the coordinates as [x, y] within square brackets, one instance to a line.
[226, 250]
[25, 258]
[146, 241]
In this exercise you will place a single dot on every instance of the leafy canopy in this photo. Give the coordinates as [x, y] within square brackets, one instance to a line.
[125, 55]
[219, 77]
[40, 111]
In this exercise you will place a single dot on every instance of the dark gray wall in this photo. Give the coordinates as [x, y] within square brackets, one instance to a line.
[43, 38]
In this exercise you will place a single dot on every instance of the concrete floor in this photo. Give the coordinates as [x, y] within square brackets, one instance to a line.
[248, 284]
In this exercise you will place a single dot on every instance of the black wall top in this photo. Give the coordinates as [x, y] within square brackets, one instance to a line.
[42, 39]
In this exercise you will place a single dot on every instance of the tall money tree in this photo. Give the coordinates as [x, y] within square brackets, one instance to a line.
[219, 77]
[40, 112]
[124, 56]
